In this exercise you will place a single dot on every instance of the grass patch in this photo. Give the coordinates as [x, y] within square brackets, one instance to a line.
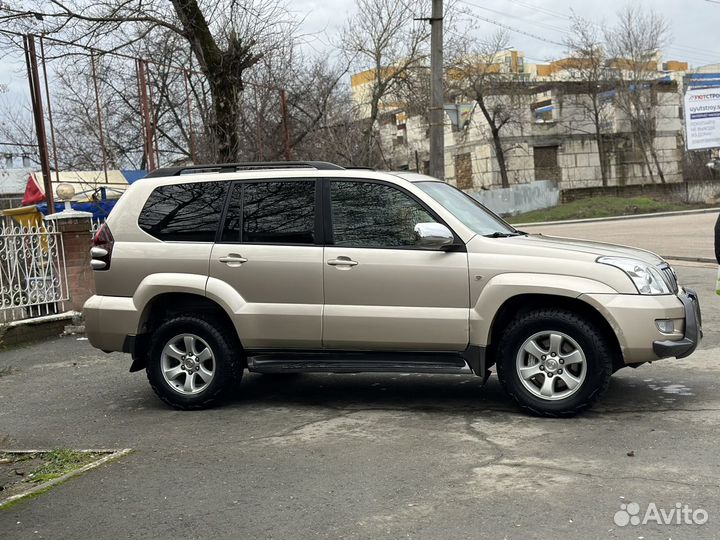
[598, 207]
[26, 474]
[61, 461]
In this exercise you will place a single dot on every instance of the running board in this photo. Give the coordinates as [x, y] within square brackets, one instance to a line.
[356, 362]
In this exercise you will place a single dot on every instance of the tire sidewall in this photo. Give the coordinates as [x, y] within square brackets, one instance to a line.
[597, 364]
[224, 356]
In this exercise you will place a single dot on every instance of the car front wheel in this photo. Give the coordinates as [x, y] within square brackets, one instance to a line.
[554, 362]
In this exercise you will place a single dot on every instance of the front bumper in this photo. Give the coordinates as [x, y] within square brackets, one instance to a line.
[633, 319]
[693, 330]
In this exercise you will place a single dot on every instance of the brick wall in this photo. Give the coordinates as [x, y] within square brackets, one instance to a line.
[77, 240]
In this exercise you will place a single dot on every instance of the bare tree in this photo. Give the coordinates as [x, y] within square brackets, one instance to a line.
[383, 38]
[587, 66]
[17, 130]
[633, 45]
[226, 37]
[478, 74]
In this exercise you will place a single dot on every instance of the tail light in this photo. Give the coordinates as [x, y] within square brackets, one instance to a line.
[102, 249]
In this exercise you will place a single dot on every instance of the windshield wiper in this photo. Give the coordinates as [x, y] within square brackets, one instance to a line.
[504, 234]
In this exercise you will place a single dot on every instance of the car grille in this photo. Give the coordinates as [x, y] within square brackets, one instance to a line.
[669, 276]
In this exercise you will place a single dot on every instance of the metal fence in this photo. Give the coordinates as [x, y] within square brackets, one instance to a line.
[33, 275]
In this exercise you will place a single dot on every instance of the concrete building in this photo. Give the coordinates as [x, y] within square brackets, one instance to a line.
[553, 137]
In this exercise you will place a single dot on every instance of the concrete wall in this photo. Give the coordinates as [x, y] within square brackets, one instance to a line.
[520, 198]
[707, 192]
[570, 131]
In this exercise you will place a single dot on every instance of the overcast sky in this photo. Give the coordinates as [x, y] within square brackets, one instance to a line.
[695, 26]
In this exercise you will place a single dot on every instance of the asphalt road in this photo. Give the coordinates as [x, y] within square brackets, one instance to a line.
[689, 235]
[365, 456]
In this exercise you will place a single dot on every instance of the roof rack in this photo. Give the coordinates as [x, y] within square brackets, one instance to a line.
[247, 166]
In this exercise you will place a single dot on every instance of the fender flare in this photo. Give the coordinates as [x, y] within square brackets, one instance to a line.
[502, 287]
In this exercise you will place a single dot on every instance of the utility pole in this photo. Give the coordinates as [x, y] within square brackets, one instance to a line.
[36, 99]
[437, 115]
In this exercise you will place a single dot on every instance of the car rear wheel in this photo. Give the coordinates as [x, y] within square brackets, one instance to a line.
[194, 362]
[554, 362]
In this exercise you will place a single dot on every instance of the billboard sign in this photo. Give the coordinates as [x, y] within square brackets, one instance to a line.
[702, 118]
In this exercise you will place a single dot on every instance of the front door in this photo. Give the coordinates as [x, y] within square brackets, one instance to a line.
[270, 256]
[381, 291]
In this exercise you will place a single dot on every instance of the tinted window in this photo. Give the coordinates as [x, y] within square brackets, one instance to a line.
[366, 214]
[184, 212]
[271, 212]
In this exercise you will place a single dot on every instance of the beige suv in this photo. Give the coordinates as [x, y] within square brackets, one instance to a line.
[203, 272]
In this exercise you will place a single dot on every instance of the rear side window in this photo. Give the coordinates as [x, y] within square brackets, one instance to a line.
[184, 212]
[281, 212]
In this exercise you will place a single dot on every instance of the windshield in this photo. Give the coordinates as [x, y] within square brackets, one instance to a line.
[469, 211]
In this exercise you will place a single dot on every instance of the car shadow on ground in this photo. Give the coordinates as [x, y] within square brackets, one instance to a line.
[628, 392]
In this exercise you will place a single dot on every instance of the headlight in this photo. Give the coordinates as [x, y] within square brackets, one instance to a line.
[647, 278]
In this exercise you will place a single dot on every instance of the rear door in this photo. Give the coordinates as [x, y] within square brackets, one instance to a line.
[269, 253]
[381, 291]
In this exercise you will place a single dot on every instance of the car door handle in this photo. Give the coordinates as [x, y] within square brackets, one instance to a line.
[233, 259]
[342, 261]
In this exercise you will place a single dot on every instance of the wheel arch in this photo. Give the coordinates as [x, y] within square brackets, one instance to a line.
[164, 306]
[523, 303]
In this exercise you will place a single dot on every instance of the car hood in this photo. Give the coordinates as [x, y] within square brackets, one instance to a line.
[555, 246]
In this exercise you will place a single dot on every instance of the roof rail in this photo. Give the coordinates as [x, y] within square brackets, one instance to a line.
[247, 166]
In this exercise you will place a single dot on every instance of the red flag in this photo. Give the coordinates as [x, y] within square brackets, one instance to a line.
[33, 192]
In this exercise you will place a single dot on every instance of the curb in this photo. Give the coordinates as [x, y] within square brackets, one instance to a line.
[34, 329]
[620, 218]
[38, 488]
[690, 259]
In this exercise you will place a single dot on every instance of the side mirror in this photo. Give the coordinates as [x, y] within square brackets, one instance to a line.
[433, 236]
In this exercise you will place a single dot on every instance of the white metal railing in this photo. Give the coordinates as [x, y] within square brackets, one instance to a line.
[33, 275]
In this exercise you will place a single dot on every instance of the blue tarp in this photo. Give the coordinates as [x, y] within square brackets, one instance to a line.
[134, 176]
[99, 209]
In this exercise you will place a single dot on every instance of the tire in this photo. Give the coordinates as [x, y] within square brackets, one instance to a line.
[200, 379]
[560, 383]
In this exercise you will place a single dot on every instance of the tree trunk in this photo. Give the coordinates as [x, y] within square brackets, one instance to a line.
[657, 164]
[640, 129]
[370, 131]
[644, 151]
[599, 141]
[500, 156]
[224, 125]
[495, 131]
[223, 70]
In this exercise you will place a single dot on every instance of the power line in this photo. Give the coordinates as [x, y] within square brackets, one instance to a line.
[510, 28]
[692, 53]
[504, 14]
[540, 9]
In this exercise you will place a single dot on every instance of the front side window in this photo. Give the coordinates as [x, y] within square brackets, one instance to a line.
[372, 215]
[184, 212]
[471, 213]
[281, 212]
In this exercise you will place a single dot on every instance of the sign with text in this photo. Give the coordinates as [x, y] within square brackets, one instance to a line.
[702, 118]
